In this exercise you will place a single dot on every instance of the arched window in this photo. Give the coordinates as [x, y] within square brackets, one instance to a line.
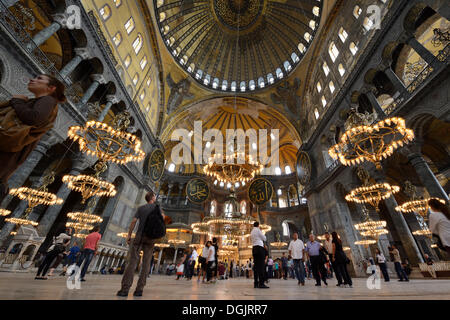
[307, 37]
[143, 62]
[343, 35]
[105, 12]
[278, 171]
[332, 87]
[319, 87]
[129, 26]
[127, 61]
[135, 79]
[316, 113]
[287, 170]
[357, 12]
[316, 11]
[142, 96]
[213, 208]
[117, 39]
[326, 69]
[341, 69]
[171, 167]
[324, 101]
[138, 43]
[228, 209]
[285, 227]
[333, 52]
[367, 24]
[243, 207]
[117, 3]
[353, 48]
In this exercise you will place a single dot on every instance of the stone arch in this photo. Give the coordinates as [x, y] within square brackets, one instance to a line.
[29, 252]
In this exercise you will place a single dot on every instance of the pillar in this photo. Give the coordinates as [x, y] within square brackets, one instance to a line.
[392, 76]
[45, 34]
[180, 193]
[100, 265]
[97, 80]
[52, 212]
[375, 104]
[80, 55]
[426, 176]
[169, 190]
[110, 101]
[409, 244]
[175, 255]
[159, 260]
[20, 176]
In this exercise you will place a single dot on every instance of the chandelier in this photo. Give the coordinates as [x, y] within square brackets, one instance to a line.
[235, 168]
[125, 235]
[35, 197]
[162, 245]
[278, 244]
[372, 194]
[177, 241]
[365, 242]
[4, 212]
[422, 232]
[83, 220]
[107, 143]
[231, 225]
[366, 142]
[370, 228]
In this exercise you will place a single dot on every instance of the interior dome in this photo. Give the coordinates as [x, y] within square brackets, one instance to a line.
[238, 45]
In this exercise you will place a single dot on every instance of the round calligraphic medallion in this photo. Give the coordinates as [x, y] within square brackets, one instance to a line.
[303, 168]
[197, 190]
[156, 165]
[260, 191]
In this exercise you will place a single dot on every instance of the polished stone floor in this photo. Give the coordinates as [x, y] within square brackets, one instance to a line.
[16, 286]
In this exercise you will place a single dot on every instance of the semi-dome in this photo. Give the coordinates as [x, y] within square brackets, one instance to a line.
[238, 45]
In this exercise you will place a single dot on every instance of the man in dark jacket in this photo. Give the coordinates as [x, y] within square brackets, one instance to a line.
[140, 242]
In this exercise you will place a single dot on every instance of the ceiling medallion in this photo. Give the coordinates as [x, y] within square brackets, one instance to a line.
[238, 14]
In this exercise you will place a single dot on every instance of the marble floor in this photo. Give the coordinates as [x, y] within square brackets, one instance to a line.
[15, 286]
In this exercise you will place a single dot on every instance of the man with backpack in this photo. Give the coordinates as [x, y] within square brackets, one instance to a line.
[151, 227]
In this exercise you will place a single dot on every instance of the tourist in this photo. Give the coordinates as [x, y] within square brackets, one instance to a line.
[191, 265]
[270, 267]
[258, 238]
[266, 267]
[381, 261]
[339, 260]
[180, 270]
[58, 247]
[398, 264]
[24, 121]
[291, 267]
[440, 222]
[276, 266]
[216, 258]
[407, 267]
[89, 250]
[313, 248]
[103, 269]
[231, 268]
[140, 242]
[211, 262]
[296, 250]
[204, 264]
[428, 259]
[284, 266]
[71, 258]
[328, 244]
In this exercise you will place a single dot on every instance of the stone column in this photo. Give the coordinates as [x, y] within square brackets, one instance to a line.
[277, 197]
[45, 34]
[97, 80]
[392, 76]
[20, 176]
[159, 260]
[52, 212]
[375, 104]
[288, 198]
[180, 193]
[423, 52]
[110, 101]
[169, 190]
[80, 55]
[426, 176]
[409, 244]
[175, 255]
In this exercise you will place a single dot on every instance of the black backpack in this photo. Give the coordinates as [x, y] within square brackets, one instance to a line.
[154, 227]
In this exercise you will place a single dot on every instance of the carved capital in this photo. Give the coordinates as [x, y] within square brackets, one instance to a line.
[112, 98]
[82, 52]
[99, 78]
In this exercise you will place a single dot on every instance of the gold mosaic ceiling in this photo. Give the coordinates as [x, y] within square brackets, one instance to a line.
[238, 45]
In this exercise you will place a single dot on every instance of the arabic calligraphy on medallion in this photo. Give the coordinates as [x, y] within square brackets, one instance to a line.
[156, 165]
[260, 191]
[197, 190]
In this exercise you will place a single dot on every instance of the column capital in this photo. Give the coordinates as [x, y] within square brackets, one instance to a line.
[112, 98]
[60, 18]
[79, 162]
[98, 78]
[82, 52]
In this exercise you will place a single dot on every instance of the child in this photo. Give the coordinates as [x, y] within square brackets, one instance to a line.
[180, 270]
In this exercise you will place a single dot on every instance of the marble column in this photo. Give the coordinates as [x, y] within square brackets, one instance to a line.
[175, 255]
[80, 55]
[277, 197]
[426, 176]
[159, 260]
[288, 198]
[375, 104]
[423, 52]
[400, 224]
[97, 80]
[53, 211]
[169, 190]
[45, 34]
[23, 172]
[110, 101]
[180, 193]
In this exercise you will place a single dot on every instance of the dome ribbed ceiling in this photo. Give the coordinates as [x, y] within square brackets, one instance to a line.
[238, 45]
